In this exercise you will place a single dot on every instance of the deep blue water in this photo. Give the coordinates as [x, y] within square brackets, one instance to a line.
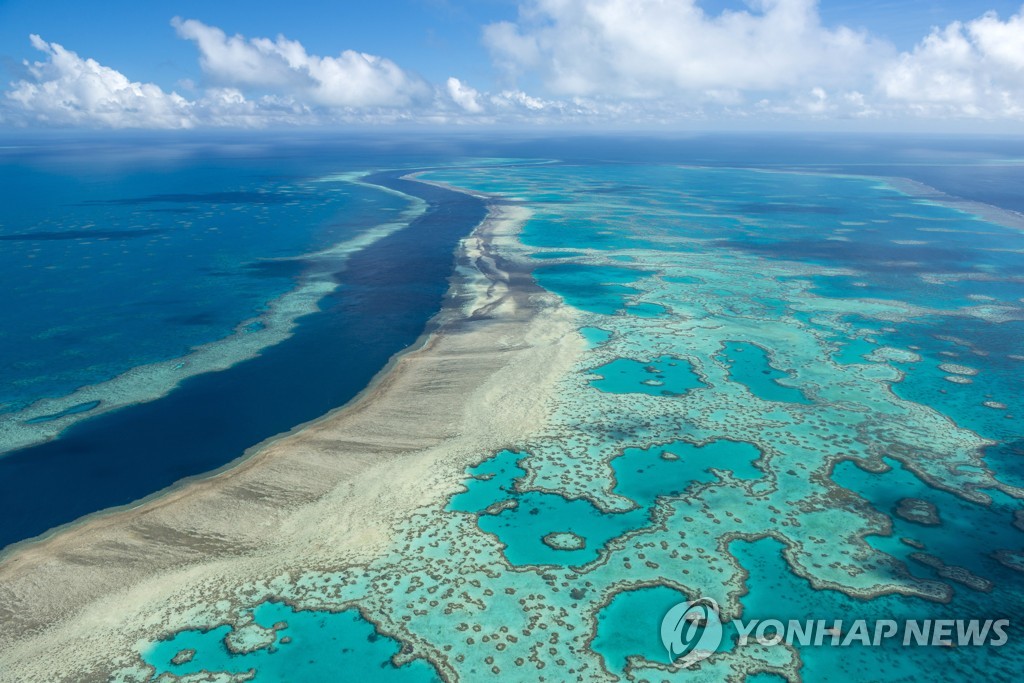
[388, 293]
[93, 260]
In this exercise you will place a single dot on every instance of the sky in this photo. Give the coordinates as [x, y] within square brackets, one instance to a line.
[755, 64]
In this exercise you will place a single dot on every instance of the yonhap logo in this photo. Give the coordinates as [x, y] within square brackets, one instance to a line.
[691, 630]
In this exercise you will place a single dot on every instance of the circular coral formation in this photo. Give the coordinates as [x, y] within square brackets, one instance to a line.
[564, 540]
[918, 511]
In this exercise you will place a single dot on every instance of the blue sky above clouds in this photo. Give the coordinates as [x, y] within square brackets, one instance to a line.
[630, 63]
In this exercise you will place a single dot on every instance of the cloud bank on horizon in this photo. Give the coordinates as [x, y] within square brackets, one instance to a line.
[617, 62]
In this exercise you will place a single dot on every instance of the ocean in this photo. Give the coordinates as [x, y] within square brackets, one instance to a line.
[801, 392]
[108, 276]
[808, 331]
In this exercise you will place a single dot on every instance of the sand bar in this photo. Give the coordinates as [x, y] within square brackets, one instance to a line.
[75, 605]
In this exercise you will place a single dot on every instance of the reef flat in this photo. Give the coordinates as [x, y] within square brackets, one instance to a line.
[331, 493]
[650, 383]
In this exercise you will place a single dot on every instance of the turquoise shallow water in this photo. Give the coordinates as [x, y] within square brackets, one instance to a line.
[665, 375]
[777, 594]
[748, 364]
[282, 644]
[827, 220]
[969, 532]
[642, 476]
[535, 514]
[774, 362]
[599, 290]
[851, 240]
[595, 336]
[618, 638]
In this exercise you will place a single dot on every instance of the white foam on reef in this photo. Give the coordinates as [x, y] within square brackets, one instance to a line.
[143, 383]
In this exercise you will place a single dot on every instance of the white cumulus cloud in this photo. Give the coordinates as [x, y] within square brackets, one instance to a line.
[775, 58]
[464, 96]
[657, 48]
[518, 98]
[66, 89]
[352, 79]
[253, 83]
[966, 69]
[619, 62]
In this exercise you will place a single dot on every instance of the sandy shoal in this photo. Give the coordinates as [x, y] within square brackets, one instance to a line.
[74, 606]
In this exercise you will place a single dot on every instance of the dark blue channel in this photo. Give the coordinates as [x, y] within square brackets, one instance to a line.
[388, 293]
